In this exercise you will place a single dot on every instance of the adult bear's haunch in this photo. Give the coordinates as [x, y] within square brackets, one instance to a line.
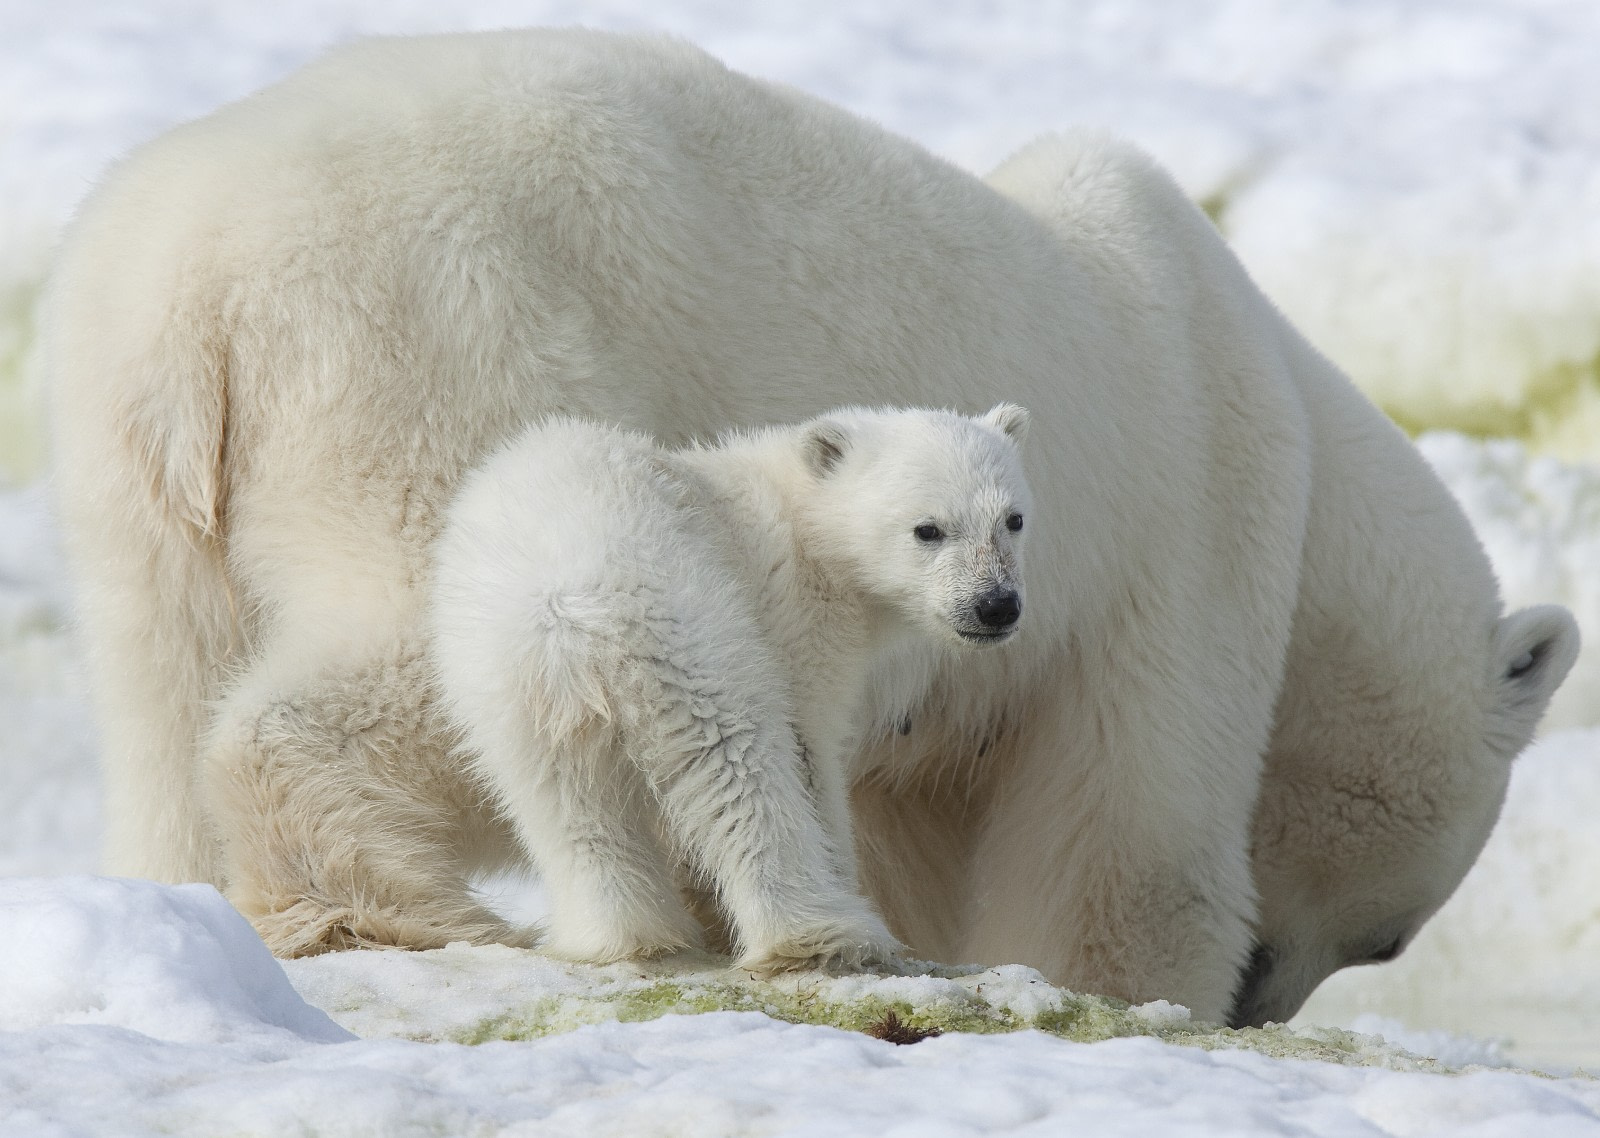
[280, 334]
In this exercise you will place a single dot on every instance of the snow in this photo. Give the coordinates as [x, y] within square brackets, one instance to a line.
[136, 1008]
[1415, 182]
[1539, 519]
[175, 963]
[49, 797]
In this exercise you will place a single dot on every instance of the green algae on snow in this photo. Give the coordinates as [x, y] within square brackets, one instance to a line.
[551, 1017]
[936, 1001]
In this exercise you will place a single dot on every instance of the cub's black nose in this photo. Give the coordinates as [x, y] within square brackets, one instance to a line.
[999, 609]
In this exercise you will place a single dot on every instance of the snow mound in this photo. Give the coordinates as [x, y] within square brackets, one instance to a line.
[176, 963]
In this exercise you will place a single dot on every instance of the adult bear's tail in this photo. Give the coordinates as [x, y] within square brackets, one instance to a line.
[136, 353]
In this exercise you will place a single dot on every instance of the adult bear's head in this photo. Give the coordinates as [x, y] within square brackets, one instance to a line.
[1354, 852]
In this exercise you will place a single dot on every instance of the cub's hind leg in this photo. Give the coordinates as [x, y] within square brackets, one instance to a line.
[712, 737]
[585, 816]
[536, 678]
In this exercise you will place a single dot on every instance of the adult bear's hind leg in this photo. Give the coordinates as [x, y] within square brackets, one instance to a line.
[341, 809]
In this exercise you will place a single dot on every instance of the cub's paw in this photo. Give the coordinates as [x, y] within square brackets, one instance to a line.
[591, 943]
[854, 947]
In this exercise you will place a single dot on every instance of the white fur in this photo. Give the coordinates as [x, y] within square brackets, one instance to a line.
[280, 334]
[663, 659]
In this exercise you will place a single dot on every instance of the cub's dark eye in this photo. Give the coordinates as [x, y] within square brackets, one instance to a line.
[927, 531]
[1014, 522]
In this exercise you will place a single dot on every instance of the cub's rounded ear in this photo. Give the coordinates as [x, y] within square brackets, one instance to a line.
[1009, 419]
[823, 443]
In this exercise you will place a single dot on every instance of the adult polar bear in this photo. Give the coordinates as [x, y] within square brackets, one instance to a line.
[280, 334]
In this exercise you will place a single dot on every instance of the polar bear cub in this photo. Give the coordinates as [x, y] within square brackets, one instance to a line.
[664, 661]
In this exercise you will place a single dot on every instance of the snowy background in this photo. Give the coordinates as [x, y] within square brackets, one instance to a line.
[1417, 184]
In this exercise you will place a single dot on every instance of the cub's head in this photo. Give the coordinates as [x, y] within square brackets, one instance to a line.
[926, 512]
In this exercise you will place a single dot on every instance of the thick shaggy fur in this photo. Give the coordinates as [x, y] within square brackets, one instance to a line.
[666, 661]
[279, 336]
